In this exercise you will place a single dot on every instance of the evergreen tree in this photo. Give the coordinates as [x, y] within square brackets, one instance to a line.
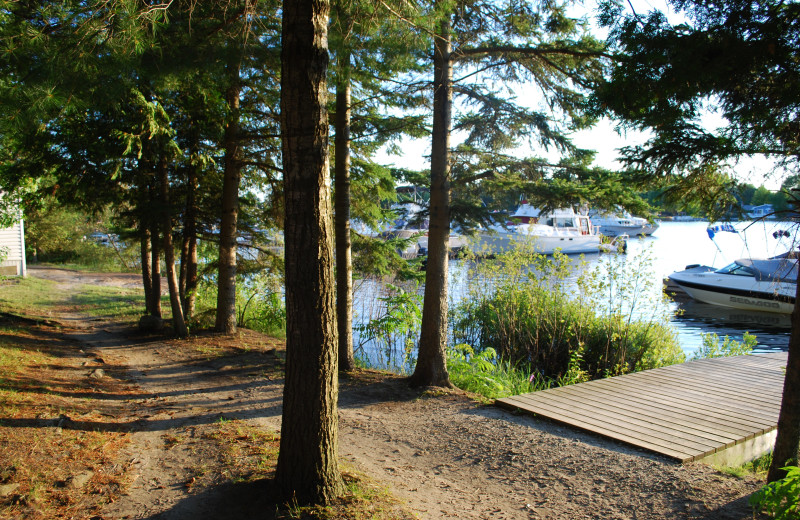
[481, 49]
[745, 58]
[308, 468]
[366, 90]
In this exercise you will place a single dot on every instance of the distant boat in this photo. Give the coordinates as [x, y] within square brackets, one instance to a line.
[558, 230]
[750, 284]
[409, 225]
[622, 223]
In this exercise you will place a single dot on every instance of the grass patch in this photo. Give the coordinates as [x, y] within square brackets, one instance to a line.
[757, 467]
[37, 297]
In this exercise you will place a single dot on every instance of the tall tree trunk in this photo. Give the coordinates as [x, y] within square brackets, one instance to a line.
[787, 443]
[155, 262]
[178, 323]
[188, 281]
[431, 366]
[308, 468]
[344, 263]
[146, 259]
[226, 282]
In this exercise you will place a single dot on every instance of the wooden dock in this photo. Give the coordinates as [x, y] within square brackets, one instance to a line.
[721, 410]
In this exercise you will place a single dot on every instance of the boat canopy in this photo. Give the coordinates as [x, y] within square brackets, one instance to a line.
[772, 269]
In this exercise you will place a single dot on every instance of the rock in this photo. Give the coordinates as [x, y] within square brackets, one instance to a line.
[80, 480]
[98, 373]
[149, 323]
[8, 489]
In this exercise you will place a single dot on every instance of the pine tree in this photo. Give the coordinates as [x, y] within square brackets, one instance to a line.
[478, 45]
[308, 468]
[745, 57]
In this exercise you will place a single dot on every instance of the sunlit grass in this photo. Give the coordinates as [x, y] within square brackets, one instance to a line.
[36, 297]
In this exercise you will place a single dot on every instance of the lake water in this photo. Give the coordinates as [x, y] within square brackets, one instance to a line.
[671, 248]
[678, 244]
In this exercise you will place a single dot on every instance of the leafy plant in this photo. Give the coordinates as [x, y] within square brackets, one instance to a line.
[483, 373]
[532, 310]
[713, 348]
[780, 499]
[758, 467]
[394, 330]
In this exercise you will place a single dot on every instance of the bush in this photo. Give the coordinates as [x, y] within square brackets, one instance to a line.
[392, 331]
[527, 316]
[712, 348]
[259, 303]
[780, 499]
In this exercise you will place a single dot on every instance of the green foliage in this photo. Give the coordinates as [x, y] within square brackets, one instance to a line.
[734, 57]
[757, 467]
[259, 303]
[713, 348]
[780, 499]
[526, 313]
[394, 329]
[61, 234]
[485, 374]
[263, 309]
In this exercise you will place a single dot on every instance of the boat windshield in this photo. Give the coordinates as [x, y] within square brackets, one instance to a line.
[737, 269]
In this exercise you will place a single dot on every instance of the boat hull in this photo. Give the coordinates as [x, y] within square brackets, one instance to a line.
[611, 230]
[720, 290]
[496, 243]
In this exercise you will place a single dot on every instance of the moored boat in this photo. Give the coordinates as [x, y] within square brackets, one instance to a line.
[752, 284]
[558, 230]
[622, 223]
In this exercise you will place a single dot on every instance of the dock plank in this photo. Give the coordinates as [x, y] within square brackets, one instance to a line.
[684, 412]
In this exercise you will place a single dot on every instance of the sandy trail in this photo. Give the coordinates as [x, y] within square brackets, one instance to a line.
[440, 452]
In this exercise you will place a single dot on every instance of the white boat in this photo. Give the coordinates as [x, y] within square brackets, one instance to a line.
[409, 225]
[752, 284]
[622, 223]
[558, 230]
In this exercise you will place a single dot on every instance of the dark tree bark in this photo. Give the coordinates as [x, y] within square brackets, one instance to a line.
[226, 283]
[787, 443]
[146, 259]
[344, 262]
[431, 366]
[308, 468]
[178, 323]
[188, 278]
[155, 263]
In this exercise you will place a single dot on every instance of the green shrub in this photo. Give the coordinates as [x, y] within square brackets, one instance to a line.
[484, 374]
[780, 499]
[525, 311]
[393, 331]
[259, 303]
[712, 348]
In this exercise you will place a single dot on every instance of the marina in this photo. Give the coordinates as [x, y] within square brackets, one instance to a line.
[672, 247]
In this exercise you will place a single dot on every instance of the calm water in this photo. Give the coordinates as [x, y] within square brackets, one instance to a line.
[671, 248]
[677, 244]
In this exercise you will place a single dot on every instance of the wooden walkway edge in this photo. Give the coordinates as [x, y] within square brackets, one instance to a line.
[721, 409]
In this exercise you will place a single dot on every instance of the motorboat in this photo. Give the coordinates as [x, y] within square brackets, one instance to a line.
[622, 223]
[409, 225]
[557, 230]
[752, 284]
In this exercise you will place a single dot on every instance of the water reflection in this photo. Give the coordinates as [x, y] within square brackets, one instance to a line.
[671, 248]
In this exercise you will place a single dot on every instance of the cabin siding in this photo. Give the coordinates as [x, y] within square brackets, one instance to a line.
[12, 239]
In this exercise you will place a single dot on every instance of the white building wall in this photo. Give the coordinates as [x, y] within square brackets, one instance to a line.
[13, 241]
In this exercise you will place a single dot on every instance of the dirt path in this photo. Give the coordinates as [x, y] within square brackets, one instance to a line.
[441, 453]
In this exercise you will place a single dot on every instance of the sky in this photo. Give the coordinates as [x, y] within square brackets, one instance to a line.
[603, 137]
